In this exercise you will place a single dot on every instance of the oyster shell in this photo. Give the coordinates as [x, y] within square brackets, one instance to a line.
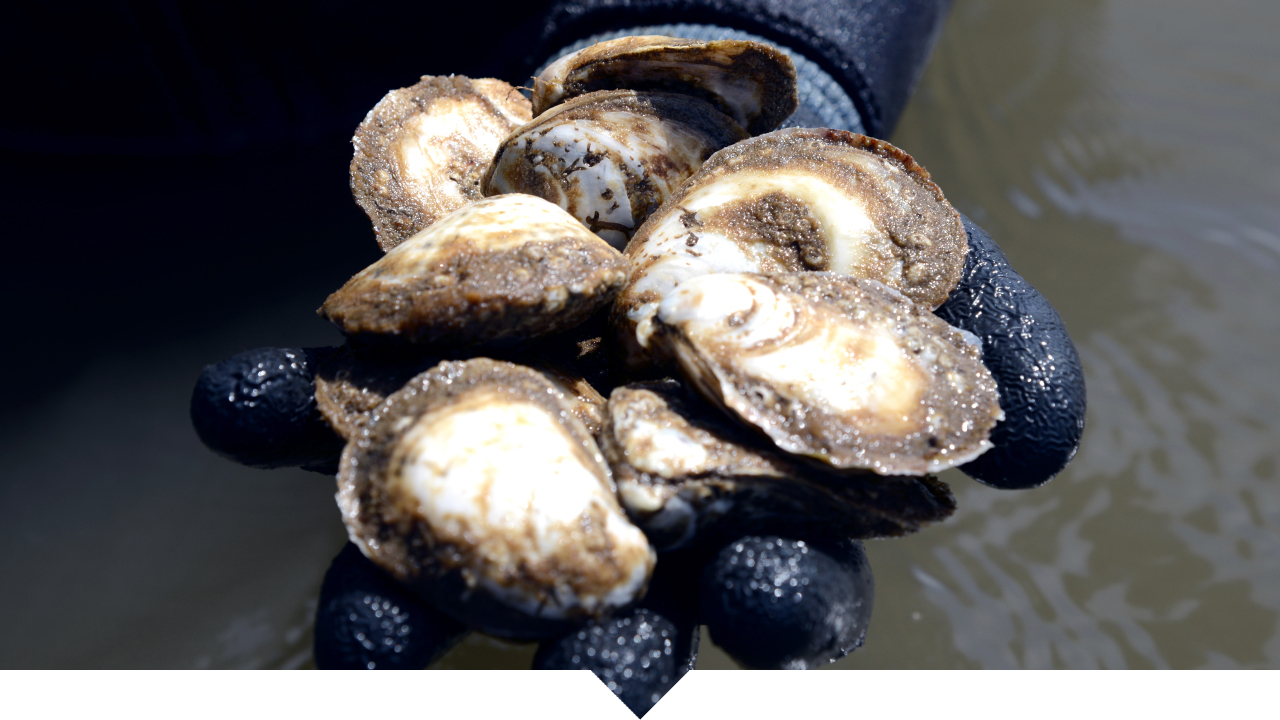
[683, 473]
[478, 487]
[422, 151]
[842, 370]
[511, 266]
[797, 200]
[751, 82]
[351, 383]
[611, 158]
[586, 403]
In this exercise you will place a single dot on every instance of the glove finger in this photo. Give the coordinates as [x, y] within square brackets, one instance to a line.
[258, 408]
[659, 640]
[366, 620]
[776, 603]
[1026, 347]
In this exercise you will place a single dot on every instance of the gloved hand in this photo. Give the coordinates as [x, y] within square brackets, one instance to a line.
[259, 408]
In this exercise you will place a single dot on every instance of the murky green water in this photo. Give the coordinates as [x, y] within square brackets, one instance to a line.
[1125, 155]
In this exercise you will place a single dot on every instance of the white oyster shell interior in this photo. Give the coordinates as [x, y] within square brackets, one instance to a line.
[501, 478]
[867, 382]
[849, 369]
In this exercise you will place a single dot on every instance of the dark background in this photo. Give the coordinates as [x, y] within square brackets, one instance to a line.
[171, 165]
[175, 190]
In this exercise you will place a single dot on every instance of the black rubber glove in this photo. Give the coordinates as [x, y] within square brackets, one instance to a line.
[366, 621]
[1027, 348]
[775, 603]
[659, 638]
[259, 409]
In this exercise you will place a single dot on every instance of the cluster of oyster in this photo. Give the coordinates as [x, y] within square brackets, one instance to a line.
[755, 305]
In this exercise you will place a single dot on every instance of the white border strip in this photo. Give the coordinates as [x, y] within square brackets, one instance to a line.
[567, 695]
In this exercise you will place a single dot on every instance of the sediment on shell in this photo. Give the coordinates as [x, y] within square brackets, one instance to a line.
[510, 267]
[351, 383]
[796, 200]
[841, 370]
[687, 474]
[477, 486]
[422, 151]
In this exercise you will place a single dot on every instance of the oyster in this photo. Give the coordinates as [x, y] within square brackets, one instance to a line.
[684, 473]
[421, 152]
[478, 487]
[843, 370]
[611, 158]
[797, 200]
[753, 83]
[511, 266]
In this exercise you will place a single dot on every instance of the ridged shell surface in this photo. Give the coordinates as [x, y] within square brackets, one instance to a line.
[684, 471]
[352, 383]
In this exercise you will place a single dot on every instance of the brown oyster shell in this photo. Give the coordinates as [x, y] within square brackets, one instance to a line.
[507, 267]
[522, 571]
[611, 158]
[797, 200]
[838, 369]
[753, 83]
[684, 473]
[422, 151]
[352, 382]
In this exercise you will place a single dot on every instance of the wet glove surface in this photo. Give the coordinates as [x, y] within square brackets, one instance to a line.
[366, 620]
[258, 408]
[776, 603]
[1026, 347]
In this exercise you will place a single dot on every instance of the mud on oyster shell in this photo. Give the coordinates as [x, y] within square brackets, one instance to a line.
[685, 474]
[422, 151]
[753, 83]
[478, 487]
[611, 158]
[351, 383]
[842, 370]
[791, 201]
[511, 266]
